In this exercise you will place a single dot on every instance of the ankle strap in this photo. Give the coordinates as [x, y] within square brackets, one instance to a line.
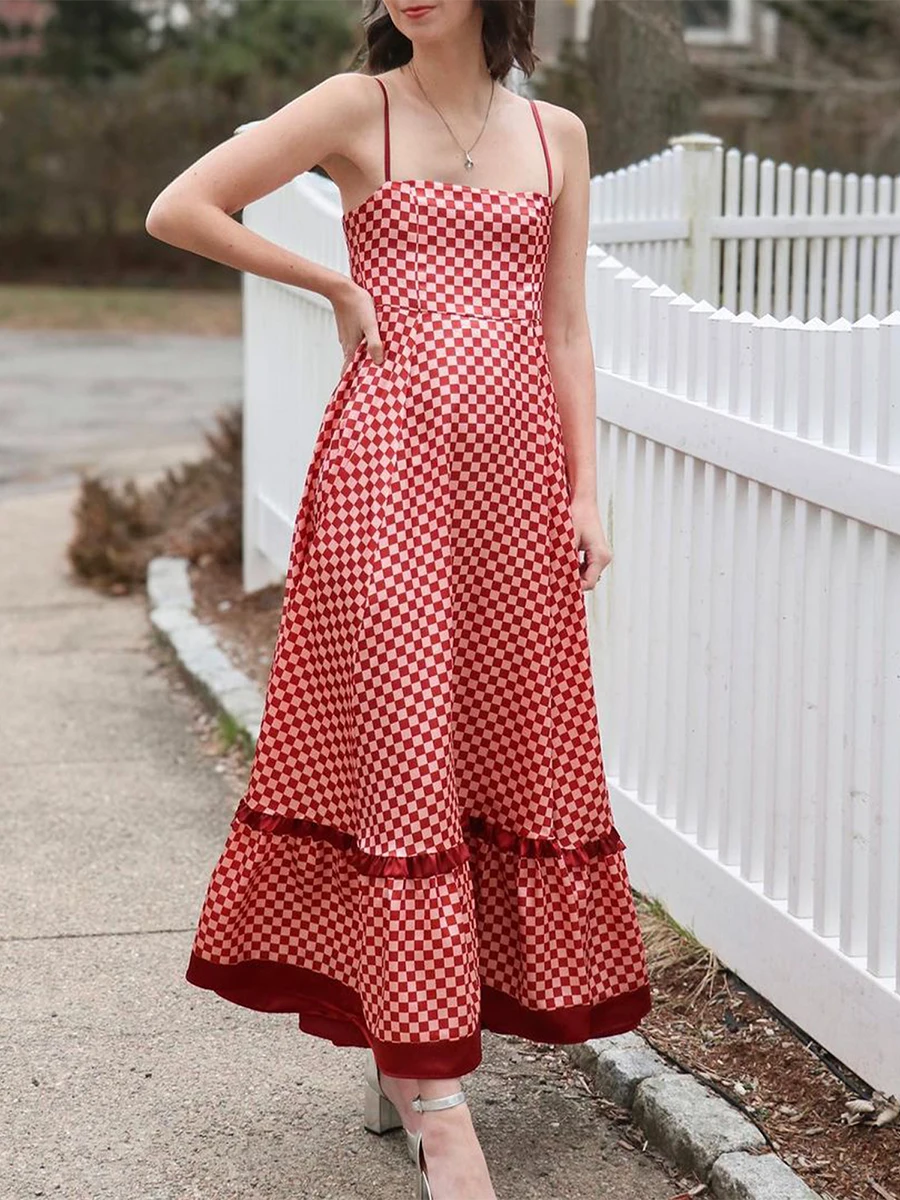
[421, 1105]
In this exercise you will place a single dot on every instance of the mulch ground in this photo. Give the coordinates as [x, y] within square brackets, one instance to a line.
[246, 625]
[709, 1022]
[813, 1111]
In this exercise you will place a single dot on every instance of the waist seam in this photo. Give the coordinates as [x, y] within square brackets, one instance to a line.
[453, 311]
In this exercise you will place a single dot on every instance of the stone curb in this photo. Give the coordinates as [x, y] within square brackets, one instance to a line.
[199, 655]
[692, 1125]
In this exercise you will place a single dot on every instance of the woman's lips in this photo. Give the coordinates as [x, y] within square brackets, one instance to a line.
[418, 11]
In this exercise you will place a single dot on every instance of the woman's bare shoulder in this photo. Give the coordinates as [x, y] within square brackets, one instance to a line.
[322, 121]
[351, 93]
[562, 121]
[568, 140]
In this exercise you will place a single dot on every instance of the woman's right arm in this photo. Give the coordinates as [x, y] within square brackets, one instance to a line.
[194, 211]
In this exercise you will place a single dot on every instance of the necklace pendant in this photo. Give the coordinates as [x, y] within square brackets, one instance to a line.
[469, 163]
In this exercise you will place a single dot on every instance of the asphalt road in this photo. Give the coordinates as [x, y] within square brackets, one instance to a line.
[117, 402]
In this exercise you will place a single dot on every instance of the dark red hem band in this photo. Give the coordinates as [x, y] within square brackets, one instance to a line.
[438, 862]
[331, 1010]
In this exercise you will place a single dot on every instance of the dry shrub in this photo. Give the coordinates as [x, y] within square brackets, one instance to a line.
[674, 954]
[194, 511]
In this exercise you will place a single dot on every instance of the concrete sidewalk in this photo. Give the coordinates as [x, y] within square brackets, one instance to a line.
[120, 1080]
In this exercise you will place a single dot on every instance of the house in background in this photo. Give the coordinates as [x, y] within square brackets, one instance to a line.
[725, 38]
[733, 46]
[741, 29]
[21, 27]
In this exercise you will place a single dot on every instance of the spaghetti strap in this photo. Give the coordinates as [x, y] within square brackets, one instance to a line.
[387, 132]
[537, 117]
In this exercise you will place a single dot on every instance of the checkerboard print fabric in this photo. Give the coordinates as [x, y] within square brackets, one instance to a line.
[426, 847]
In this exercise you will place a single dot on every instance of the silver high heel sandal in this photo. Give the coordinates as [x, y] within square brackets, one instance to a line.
[423, 1187]
[381, 1115]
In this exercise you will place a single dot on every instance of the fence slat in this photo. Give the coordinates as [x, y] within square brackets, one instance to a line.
[799, 285]
[781, 305]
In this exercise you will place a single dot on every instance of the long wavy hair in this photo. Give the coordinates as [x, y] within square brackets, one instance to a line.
[507, 36]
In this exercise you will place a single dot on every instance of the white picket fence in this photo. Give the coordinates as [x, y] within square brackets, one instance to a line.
[746, 637]
[292, 359]
[771, 239]
[746, 642]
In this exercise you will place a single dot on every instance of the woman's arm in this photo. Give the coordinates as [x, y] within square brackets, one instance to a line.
[194, 211]
[568, 336]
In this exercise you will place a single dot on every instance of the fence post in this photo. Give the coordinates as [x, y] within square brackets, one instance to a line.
[701, 200]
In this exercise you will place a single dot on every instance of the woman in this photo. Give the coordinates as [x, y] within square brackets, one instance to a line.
[426, 847]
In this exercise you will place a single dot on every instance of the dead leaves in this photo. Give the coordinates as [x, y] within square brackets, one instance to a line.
[880, 1110]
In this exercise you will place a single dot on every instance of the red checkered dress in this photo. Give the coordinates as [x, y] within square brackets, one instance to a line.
[426, 846]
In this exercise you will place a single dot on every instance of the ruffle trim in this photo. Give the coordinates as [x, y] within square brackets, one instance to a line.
[439, 862]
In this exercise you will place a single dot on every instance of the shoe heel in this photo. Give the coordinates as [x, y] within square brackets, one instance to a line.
[423, 1187]
[380, 1115]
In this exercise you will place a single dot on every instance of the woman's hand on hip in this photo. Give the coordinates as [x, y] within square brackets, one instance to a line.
[357, 322]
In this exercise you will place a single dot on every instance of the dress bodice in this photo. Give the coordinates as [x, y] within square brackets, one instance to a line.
[431, 244]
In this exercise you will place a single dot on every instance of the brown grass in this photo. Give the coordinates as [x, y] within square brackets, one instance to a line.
[121, 309]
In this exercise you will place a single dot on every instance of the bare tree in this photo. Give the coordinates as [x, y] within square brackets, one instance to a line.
[642, 77]
[632, 83]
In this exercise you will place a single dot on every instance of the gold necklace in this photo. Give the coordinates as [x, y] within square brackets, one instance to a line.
[469, 162]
